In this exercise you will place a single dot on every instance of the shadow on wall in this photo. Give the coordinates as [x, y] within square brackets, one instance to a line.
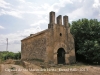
[71, 59]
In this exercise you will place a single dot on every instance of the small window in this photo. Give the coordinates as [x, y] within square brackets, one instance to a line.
[60, 34]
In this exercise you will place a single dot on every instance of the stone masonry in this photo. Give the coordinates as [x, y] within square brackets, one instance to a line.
[53, 45]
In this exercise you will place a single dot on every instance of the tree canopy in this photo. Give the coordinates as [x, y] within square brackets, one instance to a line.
[87, 42]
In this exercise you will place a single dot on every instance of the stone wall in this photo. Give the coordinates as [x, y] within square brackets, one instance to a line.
[71, 47]
[34, 48]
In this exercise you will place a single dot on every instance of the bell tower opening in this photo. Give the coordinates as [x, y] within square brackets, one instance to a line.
[61, 56]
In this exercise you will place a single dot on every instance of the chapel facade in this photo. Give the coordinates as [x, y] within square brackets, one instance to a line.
[53, 45]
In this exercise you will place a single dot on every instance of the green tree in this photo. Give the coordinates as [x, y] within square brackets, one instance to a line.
[87, 42]
[17, 55]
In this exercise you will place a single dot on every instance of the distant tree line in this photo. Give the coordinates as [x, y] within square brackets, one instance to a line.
[87, 40]
[4, 55]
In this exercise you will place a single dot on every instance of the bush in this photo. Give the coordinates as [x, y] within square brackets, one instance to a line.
[87, 40]
[10, 55]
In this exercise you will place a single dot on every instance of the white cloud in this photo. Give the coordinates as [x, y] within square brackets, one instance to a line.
[57, 6]
[38, 14]
[14, 13]
[4, 4]
[14, 39]
[76, 14]
[45, 6]
[31, 31]
[1, 27]
[23, 8]
[12, 48]
[96, 4]
[22, 1]
[39, 23]
[8, 9]
[31, 8]
[26, 7]
[83, 9]
[65, 1]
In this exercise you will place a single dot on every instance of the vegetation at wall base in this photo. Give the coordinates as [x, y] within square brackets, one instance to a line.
[4, 55]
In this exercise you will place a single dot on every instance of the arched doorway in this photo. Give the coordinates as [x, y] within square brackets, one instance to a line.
[61, 56]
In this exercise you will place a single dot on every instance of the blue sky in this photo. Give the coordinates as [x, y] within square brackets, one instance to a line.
[20, 18]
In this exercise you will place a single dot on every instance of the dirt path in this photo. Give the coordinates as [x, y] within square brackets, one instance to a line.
[10, 69]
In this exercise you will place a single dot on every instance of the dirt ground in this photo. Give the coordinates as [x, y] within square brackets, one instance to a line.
[11, 69]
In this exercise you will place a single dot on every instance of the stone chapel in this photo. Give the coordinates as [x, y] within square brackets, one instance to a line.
[53, 45]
